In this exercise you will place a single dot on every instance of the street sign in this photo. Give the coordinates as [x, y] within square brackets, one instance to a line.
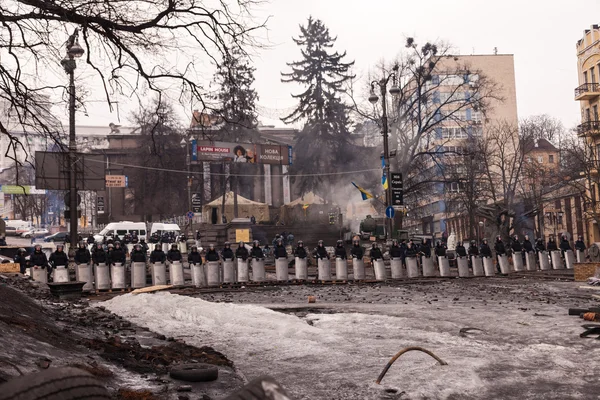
[116, 181]
[390, 212]
[100, 204]
[396, 180]
[190, 214]
[397, 189]
[67, 198]
[196, 202]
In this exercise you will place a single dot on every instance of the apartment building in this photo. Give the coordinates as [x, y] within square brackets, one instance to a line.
[460, 76]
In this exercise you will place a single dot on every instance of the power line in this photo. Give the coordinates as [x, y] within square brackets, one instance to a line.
[232, 174]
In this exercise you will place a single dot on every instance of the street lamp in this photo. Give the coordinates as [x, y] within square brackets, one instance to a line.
[373, 99]
[479, 228]
[74, 50]
[186, 144]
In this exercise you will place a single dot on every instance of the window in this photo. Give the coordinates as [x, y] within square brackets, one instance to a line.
[595, 108]
[551, 158]
[585, 77]
[121, 232]
[540, 159]
[593, 74]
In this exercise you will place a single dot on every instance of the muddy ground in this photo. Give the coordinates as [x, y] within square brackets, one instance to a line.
[38, 332]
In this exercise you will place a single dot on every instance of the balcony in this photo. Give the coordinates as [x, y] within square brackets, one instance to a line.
[588, 128]
[587, 91]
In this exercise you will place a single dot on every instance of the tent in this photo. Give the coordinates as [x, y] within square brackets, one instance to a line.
[246, 207]
[308, 198]
[309, 207]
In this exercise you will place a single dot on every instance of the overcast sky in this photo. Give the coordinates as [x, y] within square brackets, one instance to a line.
[540, 34]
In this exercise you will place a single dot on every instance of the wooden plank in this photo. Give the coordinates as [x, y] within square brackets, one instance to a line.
[11, 268]
[590, 287]
[151, 289]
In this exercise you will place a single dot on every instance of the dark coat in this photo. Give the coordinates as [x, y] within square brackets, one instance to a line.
[59, 258]
[194, 257]
[580, 245]
[552, 245]
[99, 256]
[376, 254]
[82, 256]
[138, 256]
[499, 247]
[174, 255]
[411, 251]
[38, 259]
[460, 250]
[256, 252]
[440, 250]
[516, 245]
[357, 252]
[485, 250]
[280, 252]
[300, 252]
[527, 245]
[425, 249]
[212, 255]
[322, 252]
[397, 252]
[242, 252]
[117, 256]
[564, 245]
[473, 251]
[227, 254]
[340, 252]
[158, 256]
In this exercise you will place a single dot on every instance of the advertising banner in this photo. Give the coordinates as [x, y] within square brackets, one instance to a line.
[241, 152]
[16, 189]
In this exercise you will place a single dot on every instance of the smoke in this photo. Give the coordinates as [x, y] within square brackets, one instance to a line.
[353, 207]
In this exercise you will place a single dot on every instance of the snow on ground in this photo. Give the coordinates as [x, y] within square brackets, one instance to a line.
[339, 355]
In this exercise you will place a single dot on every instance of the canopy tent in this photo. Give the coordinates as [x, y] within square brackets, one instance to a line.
[309, 207]
[246, 208]
[308, 198]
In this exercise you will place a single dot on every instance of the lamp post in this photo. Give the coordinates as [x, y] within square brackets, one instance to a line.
[373, 99]
[74, 50]
[479, 228]
[185, 143]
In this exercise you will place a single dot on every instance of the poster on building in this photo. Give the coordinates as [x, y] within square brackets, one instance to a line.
[268, 193]
[206, 181]
[18, 189]
[286, 185]
[248, 153]
[242, 235]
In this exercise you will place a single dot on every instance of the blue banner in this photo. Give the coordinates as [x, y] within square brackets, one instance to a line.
[194, 150]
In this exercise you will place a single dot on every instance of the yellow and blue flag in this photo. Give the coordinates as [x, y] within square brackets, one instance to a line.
[384, 181]
[365, 195]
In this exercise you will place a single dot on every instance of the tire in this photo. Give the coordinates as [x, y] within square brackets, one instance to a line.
[255, 390]
[55, 384]
[194, 372]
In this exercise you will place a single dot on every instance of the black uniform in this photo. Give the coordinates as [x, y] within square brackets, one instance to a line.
[564, 246]
[580, 245]
[357, 252]
[158, 256]
[540, 246]
[499, 247]
[82, 256]
[138, 256]
[227, 254]
[485, 250]
[376, 254]
[473, 250]
[21, 259]
[527, 246]
[516, 246]
[59, 258]
[117, 256]
[322, 252]
[174, 255]
[300, 252]
[242, 252]
[90, 240]
[411, 251]
[340, 252]
[552, 245]
[256, 252]
[280, 252]
[212, 255]
[38, 259]
[460, 250]
[99, 257]
[397, 251]
[425, 249]
[195, 257]
[440, 250]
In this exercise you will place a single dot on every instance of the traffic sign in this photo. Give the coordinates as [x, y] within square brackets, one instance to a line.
[390, 212]
[397, 189]
[196, 202]
[190, 214]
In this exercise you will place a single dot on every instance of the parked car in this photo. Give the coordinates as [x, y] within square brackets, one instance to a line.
[35, 233]
[57, 237]
[11, 231]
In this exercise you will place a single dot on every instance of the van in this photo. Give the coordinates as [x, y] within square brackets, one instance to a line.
[19, 226]
[161, 228]
[121, 229]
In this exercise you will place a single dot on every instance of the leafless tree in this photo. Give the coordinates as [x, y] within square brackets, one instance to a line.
[134, 48]
[543, 126]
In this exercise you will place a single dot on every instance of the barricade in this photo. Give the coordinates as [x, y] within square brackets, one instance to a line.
[412, 268]
[198, 273]
[504, 264]
[580, 256]
[477, 265]
[102, 276]
[258, 270]
[324, 269]
[341, 269]
[242, 270]
[569, 259]
[117, 276]
[358, 269]
[39, 274]
[379, 269]
[281, 269]
[463, 267]
[159, 274]
[212, 273]
[176, 273]
[138, 275]
[488, 266]
[444, 265]
[228, 271]
[544, 262]
[557, 262]
[428, 266]
[83, 273]
[518, 261]
[396, 268]
[183, 247]
[60, 274]
[301, 268]
[530, 262]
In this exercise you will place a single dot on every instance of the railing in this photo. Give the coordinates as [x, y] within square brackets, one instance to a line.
[588, 127]
[587, 88]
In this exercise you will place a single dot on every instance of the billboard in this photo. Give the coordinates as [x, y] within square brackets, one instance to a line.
[52, 171]
[17, 189]
[241, 152]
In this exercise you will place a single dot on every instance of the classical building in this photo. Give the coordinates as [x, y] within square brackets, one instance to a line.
[588, 95]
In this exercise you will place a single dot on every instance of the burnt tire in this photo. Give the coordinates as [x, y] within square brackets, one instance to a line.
[263, 388]
[55, 384]
[194, 372]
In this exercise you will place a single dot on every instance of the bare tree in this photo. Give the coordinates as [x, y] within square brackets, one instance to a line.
[131, 47]
[543, 127]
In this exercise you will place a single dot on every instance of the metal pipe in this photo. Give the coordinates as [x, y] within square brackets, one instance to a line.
[386, 153]
[72, 158]
[405, 350]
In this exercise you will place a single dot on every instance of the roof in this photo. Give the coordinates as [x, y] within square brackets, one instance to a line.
[308, 198]
[544, 145]
[229, 201]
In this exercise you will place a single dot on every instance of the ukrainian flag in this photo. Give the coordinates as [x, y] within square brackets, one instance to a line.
[365, 195]
[384, 181]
